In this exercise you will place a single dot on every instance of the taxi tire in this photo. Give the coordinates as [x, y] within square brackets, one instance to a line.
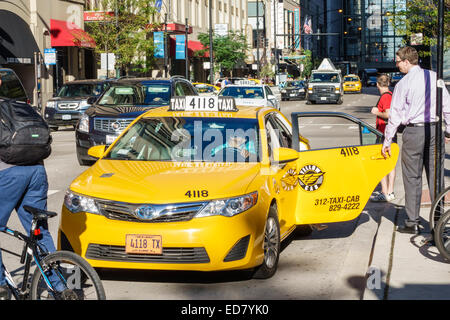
[264, 271]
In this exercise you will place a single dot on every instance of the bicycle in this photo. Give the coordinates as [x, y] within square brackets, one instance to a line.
[439, 207]
[60, 275]
[442, 235]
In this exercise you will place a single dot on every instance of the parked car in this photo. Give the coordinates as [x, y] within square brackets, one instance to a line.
[71, 101]
[11, 87]
[124, 100]
[352, 83]
[251, 95]
[396, 77]
[372, 81]
[294, 89]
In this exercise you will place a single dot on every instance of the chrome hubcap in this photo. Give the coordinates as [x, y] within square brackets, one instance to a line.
[271, 240]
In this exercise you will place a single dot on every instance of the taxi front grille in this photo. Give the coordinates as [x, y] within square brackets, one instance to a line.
[169, 255]
[165, 213]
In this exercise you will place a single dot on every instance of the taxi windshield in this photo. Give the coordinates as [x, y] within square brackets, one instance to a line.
[157, 94]
[351, 79]
[243, 92]
[191, 139]
[122, 95]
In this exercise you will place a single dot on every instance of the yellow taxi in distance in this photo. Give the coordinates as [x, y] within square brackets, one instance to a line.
[205, 88]
[352, 83]
[187, 188]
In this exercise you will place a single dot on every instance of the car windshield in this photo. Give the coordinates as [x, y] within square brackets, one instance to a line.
[157, 94]
[324, 77]
[243, 92]
[294, 84]
[351, 79]
[189, 139]
[11, 87]
[80, 90]
[122, 95]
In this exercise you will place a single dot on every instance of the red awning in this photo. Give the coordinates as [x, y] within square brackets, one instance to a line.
[193, 46]
[66, 34]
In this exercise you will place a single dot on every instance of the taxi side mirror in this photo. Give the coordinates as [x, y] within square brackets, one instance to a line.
[91, 100]
[97, 151]
[284, 155]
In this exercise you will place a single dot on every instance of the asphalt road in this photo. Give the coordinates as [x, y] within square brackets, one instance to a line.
[330, 264]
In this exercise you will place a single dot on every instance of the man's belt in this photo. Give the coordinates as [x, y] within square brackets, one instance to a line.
[421, 124]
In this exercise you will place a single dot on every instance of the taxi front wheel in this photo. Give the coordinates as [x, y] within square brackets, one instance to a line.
[271, 247]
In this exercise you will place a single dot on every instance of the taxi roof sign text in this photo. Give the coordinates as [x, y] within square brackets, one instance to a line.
[203, 103]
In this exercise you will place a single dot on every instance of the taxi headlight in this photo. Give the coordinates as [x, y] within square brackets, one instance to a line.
[77, 203]
[229, 207]
[83, 126]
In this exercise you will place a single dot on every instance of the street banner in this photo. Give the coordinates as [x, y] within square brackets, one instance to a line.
[50, 56]
[158, 41]
[297, 28]
[180, 48]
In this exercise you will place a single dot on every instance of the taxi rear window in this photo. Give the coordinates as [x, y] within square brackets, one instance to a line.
[189, 139]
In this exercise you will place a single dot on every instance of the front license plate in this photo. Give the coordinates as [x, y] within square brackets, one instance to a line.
[110, 139]
[323, 98]
[66, 117]
[143, 244]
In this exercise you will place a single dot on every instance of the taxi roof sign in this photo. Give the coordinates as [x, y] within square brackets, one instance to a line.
[203, 103]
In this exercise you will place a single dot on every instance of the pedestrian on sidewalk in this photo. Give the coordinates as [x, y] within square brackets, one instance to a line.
[382, 112]
[414, 106]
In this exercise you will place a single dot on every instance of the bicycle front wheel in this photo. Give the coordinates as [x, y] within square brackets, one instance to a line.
[438, 207]
[70, 275]
[442, 236]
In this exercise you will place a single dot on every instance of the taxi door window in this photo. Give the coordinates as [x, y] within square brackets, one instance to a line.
[272, 137]
[187, 90]
[285, 137]
[179, 92]
[268, 92]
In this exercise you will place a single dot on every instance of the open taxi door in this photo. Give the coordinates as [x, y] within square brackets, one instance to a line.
[336, 182]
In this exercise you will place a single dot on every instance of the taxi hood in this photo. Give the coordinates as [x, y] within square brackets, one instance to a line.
[164, 182]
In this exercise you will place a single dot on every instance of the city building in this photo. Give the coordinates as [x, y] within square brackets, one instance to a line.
[28, 28]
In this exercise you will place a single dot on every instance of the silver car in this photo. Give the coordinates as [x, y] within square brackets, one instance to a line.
[251, 95]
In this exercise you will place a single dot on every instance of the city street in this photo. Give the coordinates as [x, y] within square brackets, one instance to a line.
[330, 264]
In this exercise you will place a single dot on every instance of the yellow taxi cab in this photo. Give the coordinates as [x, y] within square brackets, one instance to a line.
[205, 88]
[352, 83]
[188, 188]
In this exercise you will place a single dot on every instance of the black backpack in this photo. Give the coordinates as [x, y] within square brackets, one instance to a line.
[24, 135]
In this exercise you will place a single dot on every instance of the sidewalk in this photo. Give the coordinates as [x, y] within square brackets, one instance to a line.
[410, 269]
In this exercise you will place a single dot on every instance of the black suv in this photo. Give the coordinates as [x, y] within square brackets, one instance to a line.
[119, 105]
[71, 101]
[11, 87]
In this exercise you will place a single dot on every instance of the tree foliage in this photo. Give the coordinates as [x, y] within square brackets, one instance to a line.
[229, 51]
[421, 16]
[127, 34]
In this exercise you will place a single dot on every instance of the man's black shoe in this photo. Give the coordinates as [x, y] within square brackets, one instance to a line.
[5, 294]
[414, 229]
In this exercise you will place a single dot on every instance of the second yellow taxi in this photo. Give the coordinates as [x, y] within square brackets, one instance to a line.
[205, 185]
[352, 83]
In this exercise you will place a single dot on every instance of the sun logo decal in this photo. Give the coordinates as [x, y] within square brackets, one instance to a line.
[289, 180]
[310, 177]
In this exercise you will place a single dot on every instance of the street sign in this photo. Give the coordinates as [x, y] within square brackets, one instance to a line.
[50, 56]
[221, 29]
[158, 40]
[107, 61]
[180, 47]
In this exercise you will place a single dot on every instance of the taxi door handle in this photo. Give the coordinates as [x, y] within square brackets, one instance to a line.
[379, 157]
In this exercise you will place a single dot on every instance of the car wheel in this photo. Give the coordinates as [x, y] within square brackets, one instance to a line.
[340, 101]
[271, 247]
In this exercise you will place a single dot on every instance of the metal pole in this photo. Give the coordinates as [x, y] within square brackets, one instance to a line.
[211, 61]
[186, 49]
[440, 86]
[275, 38]
[257, 40]
[166, 57]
